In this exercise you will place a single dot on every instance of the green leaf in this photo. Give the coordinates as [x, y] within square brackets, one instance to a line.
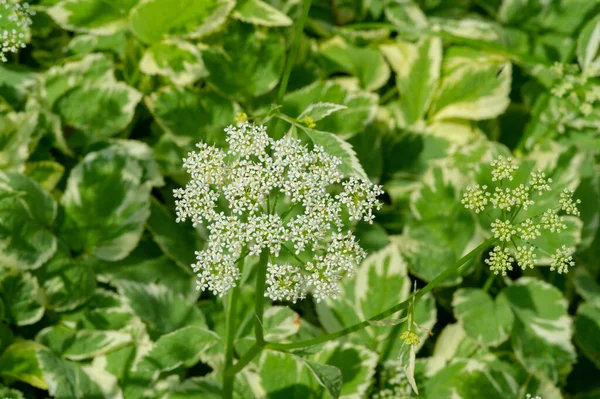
[110, 107]
[407, 357]
[162, 310]
[178, 60]
[587, 331]
[365, 63]
[67, 379]
[356, 363]
[46, 173]
[196, 387]
[337, 146]
[417, 68]
[360, 111]
[153, 20]
[26, 223]
[16, 139]
[318, 111]
[586, 286]
[66, 283]
[542, 332]
[328, 376]
[588, 46]
[471, 87]
[93, 16]
[486, 321]
[295, 379]
[260, 13]
[19, 362]
[248, 64]
[185, 346]
[21, 294]
[106, 205]
[280, 322]
[82, 344]
[178, 241]
[7, 393]
[187, 116]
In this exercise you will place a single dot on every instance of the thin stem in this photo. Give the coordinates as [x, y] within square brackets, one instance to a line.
[488, 282]
[244, 360]
[259, 306]
[386, 313]
[230, 335]
[293, 50]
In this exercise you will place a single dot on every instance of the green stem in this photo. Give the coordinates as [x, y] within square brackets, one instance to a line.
[488, 282]
[244, 360]
[386, 313]
[259, 306]
[293, 50]
[230, 335]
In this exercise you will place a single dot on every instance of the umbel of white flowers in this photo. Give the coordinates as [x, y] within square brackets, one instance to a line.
[13, 17]
[516, 228]
[264, 194]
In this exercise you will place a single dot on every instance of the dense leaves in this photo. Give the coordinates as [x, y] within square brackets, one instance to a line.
[97, 296]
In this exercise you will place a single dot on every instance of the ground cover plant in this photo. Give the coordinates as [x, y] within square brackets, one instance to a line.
[377, 199]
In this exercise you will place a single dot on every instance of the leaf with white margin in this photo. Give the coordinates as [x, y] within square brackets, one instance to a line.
[46, 173]
[471, 87]
[588, 46]
[542, 331]
[108, 383]
[587, 331]
[66, 283]
[16, 139]
[106, 205]
[93, 16]
[405, 14]
[365, 63]
[110, 107]
[185, 115]
[178, 60]
[260, 13]
[452, 343]
[162, 310]
[329, 377]
[67, 379]
[485, 320]
[153, 20]
[143, 154]
[21, 292]
[280, 322]
[407, 357]
[19, 362]
[185, 346]
[318, 111]
[361, 105]
[586, 286]
[28, 215]
[295, 378]
[417, 68]
[356, 363]
[338, 147]
[58, 80]
[249, 62]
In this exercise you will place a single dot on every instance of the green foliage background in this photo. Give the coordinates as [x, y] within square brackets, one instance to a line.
[97, 298]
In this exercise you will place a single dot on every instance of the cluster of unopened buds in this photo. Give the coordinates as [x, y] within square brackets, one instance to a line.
[517, 223]
[272, 195]
[13, 17]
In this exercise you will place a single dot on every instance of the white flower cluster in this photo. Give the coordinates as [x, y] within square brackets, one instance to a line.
[529, 396]
[13, 16]
[512, 225]
[267, 195]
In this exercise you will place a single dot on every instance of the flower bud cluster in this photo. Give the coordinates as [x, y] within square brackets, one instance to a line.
[13, 17]
[271, 195]
[514, 227]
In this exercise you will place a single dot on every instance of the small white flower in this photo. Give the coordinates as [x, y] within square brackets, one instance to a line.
[503, 168]
[476, 198]
[552, 221]
[539, 182]
[500, 260]
[562, 259]
[360, 196]
[503, 230]
[528, 230]
[284, 283]
[567, 203]
[503, 199]
[525, 257]
[521, 196]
